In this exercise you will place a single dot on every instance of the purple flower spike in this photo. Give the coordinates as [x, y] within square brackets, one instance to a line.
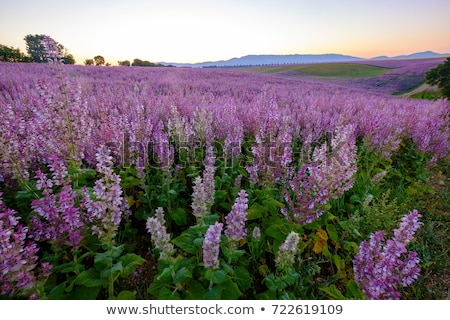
[382, 267]
[236, 218]
[211, 246]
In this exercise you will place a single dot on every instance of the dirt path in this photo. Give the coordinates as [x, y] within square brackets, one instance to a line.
[421, 88]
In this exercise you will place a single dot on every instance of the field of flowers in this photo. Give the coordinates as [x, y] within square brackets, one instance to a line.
[172, 183]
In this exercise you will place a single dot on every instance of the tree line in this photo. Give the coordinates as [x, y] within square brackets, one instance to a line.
[36, 52]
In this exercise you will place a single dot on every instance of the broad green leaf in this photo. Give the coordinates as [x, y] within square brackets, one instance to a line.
[126, 295]
[219, 276]
[230, 291]
[195, 291]
[185, 241]
[255, 211]
[130, 261]
[166, 294]
[182, 275]
[91, 278]
[243, 278]
[333, 292]
[214, 293]
[179, 215]
[332, 232]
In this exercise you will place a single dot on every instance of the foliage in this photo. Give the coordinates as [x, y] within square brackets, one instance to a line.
[99, 60]
[37, 51]
[9, 54]
[440, 76]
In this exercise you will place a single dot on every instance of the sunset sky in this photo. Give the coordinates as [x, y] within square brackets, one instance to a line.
[199, 30]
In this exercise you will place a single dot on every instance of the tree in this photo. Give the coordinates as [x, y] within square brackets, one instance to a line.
[125, 63]
[99, 60]
[89, 62]
[440, 76]
[141, 63]
[9, 54]
[36, 48]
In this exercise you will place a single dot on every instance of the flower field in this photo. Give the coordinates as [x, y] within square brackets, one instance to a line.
[173, 183]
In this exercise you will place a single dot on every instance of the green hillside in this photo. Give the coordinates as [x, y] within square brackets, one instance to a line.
[342, 70]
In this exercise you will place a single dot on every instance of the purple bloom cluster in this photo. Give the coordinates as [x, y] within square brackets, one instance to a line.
[287, 251]
[327, 177]
[383, 266]
[107, 206]
[211, 246]
[18, 257]
[235, 230]
[160, 237]
[57, 218]
[52, 50]
[44, 116]
[204, 188]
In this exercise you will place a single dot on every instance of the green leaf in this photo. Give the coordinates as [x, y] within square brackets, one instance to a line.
[85, 293]
[214, 293]
[57, 293]
[352, 290]
[166, 294]
[102, 260]
[332, 232]
[130, 261]
[179, 215]
[165, 276]
[243, 278]
[255, 211]
[182, 275]
[115, 270]
[91, 278]
[230, 291]
[126, 295]
[272, 205]
[185, 241]
[219, 276]
[278, 231]
[195, 291]
[333, 292]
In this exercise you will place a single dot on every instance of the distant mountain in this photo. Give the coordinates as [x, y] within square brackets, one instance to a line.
[259, 60]
[266, 59]
[417, 55]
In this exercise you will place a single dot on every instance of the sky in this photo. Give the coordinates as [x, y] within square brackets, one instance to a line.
[209, 30]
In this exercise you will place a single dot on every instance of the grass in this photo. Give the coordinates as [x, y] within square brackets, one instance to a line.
[340, 70]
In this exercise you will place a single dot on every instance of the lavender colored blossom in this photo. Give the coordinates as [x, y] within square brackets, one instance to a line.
[160, 237]
[235, 228]
[57, 219]
[19, 273]
[208, 176]
[211, 246]
[51, 49]
[382, 266]
[287, 251]
[256, 233]
[107, 206]
[199, 200]
[327, 177]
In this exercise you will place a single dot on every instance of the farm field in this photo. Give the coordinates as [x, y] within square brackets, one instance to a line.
[176, 183]
[377, 76]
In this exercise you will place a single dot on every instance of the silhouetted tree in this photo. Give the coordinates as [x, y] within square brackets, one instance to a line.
[89, 62]
[99, 60]
[440, 76]
[9, 54]
[36, 48]
[125, 63]
[37, 52]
